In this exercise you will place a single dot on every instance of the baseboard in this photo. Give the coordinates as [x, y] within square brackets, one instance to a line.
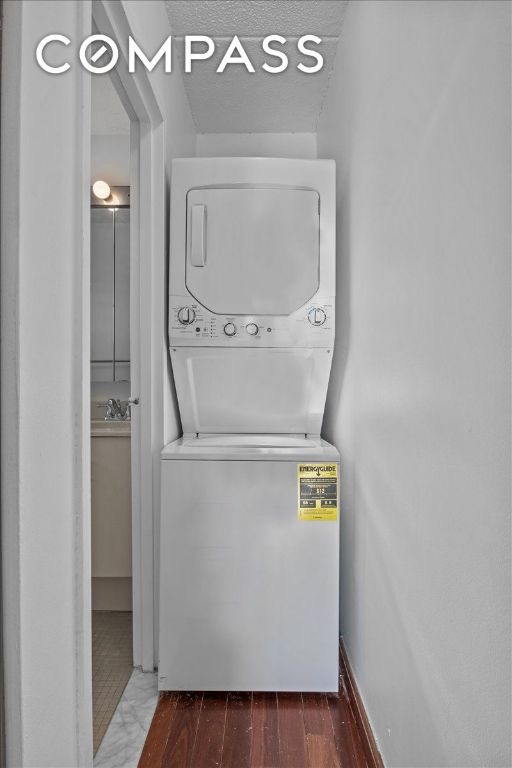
[371, 751]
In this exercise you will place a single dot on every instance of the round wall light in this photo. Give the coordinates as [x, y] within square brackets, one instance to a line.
[101, 190]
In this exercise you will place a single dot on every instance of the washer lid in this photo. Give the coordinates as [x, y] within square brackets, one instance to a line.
[252, 250]
[194, 449]
[251, 391]
[250, 441]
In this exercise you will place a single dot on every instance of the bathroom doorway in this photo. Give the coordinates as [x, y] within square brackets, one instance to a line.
[151, 414]
[111, 405]
[143, 191]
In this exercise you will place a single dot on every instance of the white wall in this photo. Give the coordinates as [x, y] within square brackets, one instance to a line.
[110, 129]
[149, 20]
[418, 119]
[301, 145]
[110, 159]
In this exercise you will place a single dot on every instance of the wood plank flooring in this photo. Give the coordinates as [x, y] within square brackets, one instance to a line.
[257, 730]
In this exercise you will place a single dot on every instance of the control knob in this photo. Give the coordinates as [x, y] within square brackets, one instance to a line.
[252, 329]
[230, 329]
[317, 316]
[186, 315]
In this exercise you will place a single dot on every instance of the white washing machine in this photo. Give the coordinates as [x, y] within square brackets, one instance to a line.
[249, 531]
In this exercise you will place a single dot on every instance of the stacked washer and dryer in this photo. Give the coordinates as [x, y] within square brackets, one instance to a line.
[249, 531]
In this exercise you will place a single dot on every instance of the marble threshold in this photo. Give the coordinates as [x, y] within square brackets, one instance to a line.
[123, 742]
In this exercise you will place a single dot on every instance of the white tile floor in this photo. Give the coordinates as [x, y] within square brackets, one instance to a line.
[126, 734]
[112, 665]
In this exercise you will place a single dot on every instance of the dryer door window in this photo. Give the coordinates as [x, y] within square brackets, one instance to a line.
[252, 251]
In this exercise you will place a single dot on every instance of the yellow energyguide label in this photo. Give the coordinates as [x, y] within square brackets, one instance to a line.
[317, 491]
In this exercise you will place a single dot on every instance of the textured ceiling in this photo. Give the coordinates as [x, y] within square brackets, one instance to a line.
[107, 113]
[255, 17]
[241, 102]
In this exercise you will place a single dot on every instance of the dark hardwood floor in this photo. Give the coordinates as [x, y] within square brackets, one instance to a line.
[261, 730]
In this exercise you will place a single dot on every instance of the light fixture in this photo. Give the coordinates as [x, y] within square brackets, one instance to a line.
[101, 190]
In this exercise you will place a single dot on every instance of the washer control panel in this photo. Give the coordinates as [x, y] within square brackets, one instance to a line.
[190, 324]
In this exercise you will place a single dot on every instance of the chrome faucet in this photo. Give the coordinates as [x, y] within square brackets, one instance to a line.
[114, 410]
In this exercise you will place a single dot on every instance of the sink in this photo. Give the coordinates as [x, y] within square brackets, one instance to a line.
[102, 428]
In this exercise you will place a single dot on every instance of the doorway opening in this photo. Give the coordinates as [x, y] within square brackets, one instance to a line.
[142, 189]
[111, 405]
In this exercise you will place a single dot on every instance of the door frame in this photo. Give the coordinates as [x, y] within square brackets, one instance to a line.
[147, 317]
[45, 369]
[45, 394]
